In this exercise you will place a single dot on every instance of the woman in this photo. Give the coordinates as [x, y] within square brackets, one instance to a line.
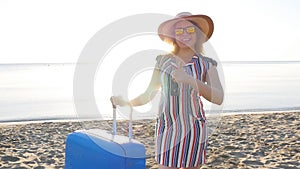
[183, 76]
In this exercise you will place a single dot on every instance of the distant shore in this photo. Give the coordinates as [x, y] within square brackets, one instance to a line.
[258, 140]
[74, 119]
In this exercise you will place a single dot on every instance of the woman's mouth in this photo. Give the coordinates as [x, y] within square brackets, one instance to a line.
[185, 39]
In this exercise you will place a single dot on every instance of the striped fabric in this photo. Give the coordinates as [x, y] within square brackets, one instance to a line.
[181, 129]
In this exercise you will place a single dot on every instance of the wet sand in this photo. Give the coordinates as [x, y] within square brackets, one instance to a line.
[268, 140]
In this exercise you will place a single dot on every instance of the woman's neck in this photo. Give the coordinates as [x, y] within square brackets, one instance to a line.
[186, 54]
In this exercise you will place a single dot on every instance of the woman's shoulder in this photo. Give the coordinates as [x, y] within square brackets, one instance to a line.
[211, 61]
[166, 55]
[163, 57]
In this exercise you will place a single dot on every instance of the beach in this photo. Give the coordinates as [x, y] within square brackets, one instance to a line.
[262, 140]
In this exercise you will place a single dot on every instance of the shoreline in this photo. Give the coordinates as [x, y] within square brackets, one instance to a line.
[261, 140]
[228, 113]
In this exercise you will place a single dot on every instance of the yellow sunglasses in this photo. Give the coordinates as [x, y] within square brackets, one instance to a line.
[189, 30]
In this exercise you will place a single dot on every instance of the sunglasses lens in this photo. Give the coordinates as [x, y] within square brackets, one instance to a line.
[178, 31]
[190, 29]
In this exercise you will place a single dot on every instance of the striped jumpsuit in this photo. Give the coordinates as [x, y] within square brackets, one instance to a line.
[181, 128]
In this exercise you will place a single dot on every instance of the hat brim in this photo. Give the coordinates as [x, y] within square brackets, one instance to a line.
[203, 22]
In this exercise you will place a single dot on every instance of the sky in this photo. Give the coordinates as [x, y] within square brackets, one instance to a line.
[56, 31]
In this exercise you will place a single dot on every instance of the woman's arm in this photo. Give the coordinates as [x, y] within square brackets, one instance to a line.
[214, 92]
[211, 91]
[150, 92]
[145, 97]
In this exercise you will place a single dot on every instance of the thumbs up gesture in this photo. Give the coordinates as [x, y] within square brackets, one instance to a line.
[179, 75]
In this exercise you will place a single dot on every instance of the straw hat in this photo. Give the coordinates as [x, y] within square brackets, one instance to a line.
[203, 22]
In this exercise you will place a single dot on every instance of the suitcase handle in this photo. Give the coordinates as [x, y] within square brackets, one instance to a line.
[115, 120]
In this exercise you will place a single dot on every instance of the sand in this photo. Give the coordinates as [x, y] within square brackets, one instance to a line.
[268, 140]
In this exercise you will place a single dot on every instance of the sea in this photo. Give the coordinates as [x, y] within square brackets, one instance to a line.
[44, 91]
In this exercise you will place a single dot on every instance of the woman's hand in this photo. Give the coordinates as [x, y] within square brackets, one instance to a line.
[180, 76]
[118, 100]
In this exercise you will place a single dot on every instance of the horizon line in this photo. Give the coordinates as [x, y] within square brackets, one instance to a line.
[225, 61]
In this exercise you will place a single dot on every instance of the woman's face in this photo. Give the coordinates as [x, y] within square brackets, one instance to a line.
[185, 34]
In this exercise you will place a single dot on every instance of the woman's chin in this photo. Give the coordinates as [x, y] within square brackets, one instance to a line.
[184, 45]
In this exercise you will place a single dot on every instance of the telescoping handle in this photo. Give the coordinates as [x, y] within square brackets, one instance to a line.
[115, 120]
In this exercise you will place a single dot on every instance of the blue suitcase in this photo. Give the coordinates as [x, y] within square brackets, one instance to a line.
[100, 149]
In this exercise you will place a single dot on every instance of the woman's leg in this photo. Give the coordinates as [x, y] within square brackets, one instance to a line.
[191, 168]
[165, 167]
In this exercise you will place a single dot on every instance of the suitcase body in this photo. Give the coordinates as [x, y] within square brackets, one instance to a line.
[98, 149]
